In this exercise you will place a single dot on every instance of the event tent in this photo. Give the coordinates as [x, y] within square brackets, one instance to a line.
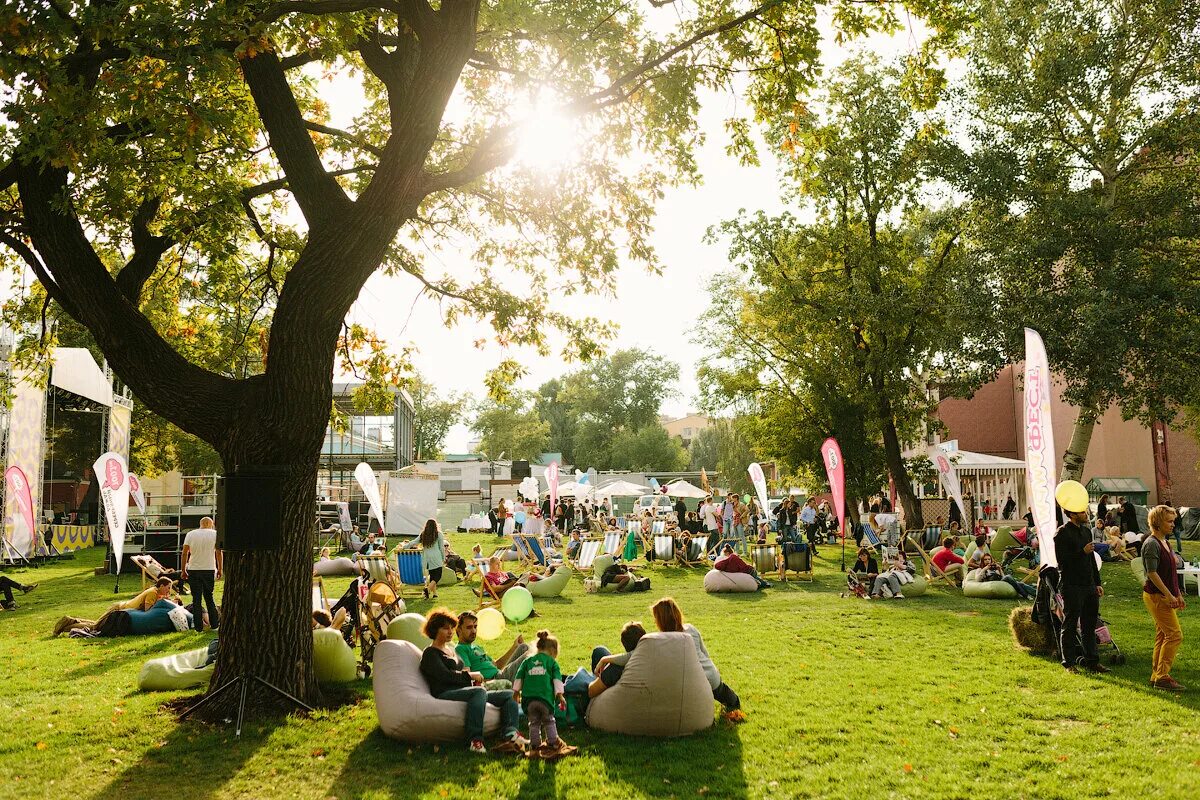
[682, 488]
[622, 489]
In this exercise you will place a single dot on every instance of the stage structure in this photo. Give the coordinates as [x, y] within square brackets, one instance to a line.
[72, 381]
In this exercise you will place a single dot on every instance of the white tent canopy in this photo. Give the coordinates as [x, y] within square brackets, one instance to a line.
[75, 371]
[682, 488]
[622, 489]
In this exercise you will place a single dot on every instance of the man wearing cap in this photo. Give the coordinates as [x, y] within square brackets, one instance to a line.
[1079, 581]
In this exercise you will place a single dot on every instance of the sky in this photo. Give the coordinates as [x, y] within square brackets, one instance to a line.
[654, 312]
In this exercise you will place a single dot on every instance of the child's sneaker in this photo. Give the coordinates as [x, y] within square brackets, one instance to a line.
[476, 746]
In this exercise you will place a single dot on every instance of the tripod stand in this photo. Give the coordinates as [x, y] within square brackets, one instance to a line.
[244, 681]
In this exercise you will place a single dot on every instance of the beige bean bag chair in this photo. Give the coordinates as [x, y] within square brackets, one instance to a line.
[333, 659]
[995, 590]
[327, 567]
[406, 709]
[662, 692]
[716, 581]
[180, 671]
[552, 586]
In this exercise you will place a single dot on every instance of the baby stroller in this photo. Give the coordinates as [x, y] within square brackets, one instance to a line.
[1048, 611]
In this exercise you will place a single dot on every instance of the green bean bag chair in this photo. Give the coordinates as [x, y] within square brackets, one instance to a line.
[408, 628]
[449, 578]
[917, 588]
[996, 590]
[552, 586]
[603, 562]
[180, 671]
[333, 659]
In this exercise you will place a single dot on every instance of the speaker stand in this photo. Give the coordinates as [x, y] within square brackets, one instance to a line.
[244, 681]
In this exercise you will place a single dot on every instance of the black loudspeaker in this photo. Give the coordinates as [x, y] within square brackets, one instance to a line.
[248, 511]
[520, 469]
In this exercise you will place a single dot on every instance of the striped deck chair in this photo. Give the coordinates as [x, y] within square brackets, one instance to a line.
[410, 564]
[540, 559]
[663, 547]
[588, 550]
[613, 542]
[697, 552]
[765, 558]
[872, 538]
[488, 595]
[320, 601]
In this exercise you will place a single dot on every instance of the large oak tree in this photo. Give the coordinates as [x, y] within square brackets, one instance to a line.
[157, 144]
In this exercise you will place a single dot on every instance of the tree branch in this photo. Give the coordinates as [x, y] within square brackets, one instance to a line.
[148, 249]
[317, 127]
[319, 196]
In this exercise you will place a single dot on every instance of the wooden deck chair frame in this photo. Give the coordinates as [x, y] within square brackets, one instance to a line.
[319, 594]
[933, 573]
[143, 561]
[701, 541]
[402, 587]
[588, 550]
[660, 542]
[529, 548]
[487, 594]
[614, 542]
[801, 575]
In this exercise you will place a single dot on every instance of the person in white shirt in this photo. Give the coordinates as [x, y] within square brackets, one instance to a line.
[201, 568]
[708, 512]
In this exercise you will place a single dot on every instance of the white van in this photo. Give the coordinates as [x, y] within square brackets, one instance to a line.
[660, 505]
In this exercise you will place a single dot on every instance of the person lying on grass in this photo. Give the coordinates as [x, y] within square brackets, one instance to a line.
[669, 619]
[731, 562]
[496, 674]
[161, 590]
[538, 687]
[7, 585]
[449, 679]
[608, 667]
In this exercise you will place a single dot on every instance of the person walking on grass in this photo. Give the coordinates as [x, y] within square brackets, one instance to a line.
[538, 688]
[201, 568]
[433, 555]
[1163, 597]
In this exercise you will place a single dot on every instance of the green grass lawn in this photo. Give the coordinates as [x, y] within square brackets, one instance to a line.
[920, 698]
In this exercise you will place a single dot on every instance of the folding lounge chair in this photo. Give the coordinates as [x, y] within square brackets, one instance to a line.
[934, 574]
[150, 568]
[320, 600]
[663, 547]
[696, 554]
[539, 559]
[410, 568]
[795, 560]
[588, 550]
[657, 528]
[488, 595]
[613, 542]
[376, 610]
[765, 558]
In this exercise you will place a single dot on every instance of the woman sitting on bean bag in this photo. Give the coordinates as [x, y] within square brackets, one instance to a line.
[449, 680]
[669, 618]
[989, 571]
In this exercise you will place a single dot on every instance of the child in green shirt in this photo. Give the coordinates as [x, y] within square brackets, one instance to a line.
[538, 687]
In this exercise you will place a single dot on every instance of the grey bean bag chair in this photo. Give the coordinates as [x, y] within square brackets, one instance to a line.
[662, 692]
[406, 709]
[552, 586]
[716, 582]
[328, 567]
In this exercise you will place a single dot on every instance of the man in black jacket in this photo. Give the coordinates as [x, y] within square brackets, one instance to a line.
[1079, 582]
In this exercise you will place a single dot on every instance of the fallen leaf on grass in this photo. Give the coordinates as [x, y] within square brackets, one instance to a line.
[908, 767]
[318, 752]
[1062, 758]
[41, 745]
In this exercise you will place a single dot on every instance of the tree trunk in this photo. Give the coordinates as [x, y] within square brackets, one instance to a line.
[913, 518]
[1081, 439]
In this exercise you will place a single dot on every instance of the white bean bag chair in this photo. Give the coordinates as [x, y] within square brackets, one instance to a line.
[996, 590]
[406, 709]
[552, 586]
[327, 567]
[407, 628]
[180, 671]
[716, 582]
[662, 692]
[333, 659]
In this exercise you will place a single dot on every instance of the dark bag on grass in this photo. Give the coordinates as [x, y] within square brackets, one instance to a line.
[639, 584]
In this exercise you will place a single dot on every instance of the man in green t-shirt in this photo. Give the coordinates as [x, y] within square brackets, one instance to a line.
[476, 659]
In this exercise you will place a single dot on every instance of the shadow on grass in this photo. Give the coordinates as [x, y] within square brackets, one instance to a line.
[706, 764]
[121, 651]
[382, 766]
[207, 756]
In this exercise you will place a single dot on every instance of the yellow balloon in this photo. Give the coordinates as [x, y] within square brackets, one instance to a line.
[1072, 496]
[491, 624]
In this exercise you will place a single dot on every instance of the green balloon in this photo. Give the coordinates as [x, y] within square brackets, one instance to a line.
[517, 603]
[745, 498]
